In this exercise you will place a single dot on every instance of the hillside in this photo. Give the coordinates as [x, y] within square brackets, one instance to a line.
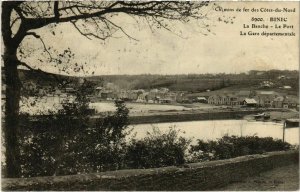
[195, 83]
[44, 79]
[192, 83]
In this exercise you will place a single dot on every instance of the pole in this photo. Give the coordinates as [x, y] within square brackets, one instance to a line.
[283, 131]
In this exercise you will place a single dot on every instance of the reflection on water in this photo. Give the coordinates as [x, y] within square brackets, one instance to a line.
[211, 130]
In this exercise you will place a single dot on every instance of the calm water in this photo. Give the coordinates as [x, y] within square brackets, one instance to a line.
[211, 130]
[206, 130]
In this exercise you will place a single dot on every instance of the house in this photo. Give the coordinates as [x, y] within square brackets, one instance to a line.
[163, 90]
[171, 96]
[152, 94]
[234, 100]
[290, 102]
[266, 84]
[122, 94]
[278, 102]
[225, 100]
[157, 99]
[201, 99]
[265, 98]
[132, 95]
[142, 98]
[249, 102]
[181, 96]
[214, 100]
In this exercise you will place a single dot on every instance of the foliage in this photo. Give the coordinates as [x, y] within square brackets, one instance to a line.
[64, 143]
[233, 146]
[105, 144]
[157, 149]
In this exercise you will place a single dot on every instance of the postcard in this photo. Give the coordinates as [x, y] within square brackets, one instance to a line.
[150, 95]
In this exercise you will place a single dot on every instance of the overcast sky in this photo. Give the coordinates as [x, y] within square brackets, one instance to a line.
[221, 51]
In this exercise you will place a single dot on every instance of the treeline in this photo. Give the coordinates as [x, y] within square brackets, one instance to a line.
[182, 82]
[201, 82]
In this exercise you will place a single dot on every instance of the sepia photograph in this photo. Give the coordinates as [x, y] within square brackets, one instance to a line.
[102, 95]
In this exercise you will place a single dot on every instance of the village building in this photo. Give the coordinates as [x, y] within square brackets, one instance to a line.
[234, 100]
[142, 98]
[290, 102]
[152, 94]
[225, 100]
[278, 102]
[163, 90]
[171, 96]
[249, 102]
[181, 97]
[266, 84]
[214, 100]
[201, 100]
[265, 98]
[133, 95]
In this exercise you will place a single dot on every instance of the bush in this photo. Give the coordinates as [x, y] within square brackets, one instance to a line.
[233, 146]
[157, 149]
[105, 145]
[65, 143]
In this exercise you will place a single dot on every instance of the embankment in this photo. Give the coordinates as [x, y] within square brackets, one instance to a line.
[178, 116]
[196, 176]
[196, 116]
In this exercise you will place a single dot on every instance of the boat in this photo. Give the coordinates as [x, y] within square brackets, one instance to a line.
[261, 116]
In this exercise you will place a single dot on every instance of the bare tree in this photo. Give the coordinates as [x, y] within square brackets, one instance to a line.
[91, 19]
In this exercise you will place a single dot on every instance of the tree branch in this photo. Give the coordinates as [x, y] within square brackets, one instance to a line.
[44, 45]
[87, 35]
[14, 21]
[56, 11]
[120, 28]
[38, 70]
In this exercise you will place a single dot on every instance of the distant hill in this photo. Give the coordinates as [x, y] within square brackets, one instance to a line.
[192, 83]
[44, 78]
[202, 82]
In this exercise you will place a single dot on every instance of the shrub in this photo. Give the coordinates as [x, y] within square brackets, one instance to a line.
[65, 143]
[105, 144]
[233, 146]
[157, 149]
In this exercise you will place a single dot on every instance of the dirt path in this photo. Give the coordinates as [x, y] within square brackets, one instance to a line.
[280, 179]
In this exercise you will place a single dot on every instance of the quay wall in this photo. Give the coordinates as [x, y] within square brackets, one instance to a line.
[180, 117]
